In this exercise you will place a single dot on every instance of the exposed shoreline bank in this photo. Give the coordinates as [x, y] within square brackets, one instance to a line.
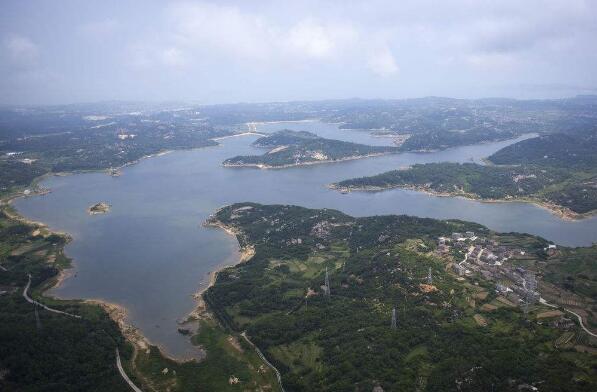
[201, 310]
[323, 161]
[116, 312]
[239, 134]
[561, 212]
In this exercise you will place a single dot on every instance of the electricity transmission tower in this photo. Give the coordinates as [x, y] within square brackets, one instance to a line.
[327, 283]
[429, 277]
[530, 286]
[394, 318]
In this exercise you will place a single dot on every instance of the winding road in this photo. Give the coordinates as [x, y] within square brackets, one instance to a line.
[123, 373]
[32, 301]
[264, 359]
[544, 302]
[118, 363]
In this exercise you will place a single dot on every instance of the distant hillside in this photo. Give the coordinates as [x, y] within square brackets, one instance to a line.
[578, 151]
[440, 140]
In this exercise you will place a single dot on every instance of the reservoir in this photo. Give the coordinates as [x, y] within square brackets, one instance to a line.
[150, 252]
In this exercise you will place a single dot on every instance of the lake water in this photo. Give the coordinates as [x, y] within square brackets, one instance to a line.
[150, 252]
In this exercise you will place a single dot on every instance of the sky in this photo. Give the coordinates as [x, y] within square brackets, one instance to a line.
[61, 51]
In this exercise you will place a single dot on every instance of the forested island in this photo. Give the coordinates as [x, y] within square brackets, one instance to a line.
[558, 171]
[338, 303]
[291, 148]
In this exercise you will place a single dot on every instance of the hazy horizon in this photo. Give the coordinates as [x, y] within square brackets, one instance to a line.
[219, 52]
[196, 103]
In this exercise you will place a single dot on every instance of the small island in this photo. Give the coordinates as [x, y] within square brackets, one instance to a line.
[292, 148]
[99, 208]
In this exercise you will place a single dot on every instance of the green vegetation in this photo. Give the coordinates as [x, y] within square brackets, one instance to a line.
[440, 140]
[18, 174]
[575, 270]
[570, 151]
[297, 148]
[285, 137]
[487, 182]
[573, 152]
[229, 357]
[338, 343]
[435, 123]
[41, 141]
[344, 342]
[63, 353]
[557, 169]
[73, 354]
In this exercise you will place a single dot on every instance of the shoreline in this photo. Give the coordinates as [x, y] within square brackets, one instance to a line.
[308, 120]
[561, 212]
[108, 170]
[201, 310]
[118, 313]
[12, 213]
[249, 133]
[324, 161]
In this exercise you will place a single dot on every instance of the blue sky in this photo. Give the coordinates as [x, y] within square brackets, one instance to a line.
[232, 51]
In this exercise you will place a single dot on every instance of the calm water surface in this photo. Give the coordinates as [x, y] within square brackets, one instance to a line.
[150, 253]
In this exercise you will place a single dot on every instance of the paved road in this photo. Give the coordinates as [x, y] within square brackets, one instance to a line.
[118, 363]
[544, 302]
[278, 375]
[123, 374]
[32, 301]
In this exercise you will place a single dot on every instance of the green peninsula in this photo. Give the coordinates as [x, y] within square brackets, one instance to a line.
[291, 148]
[338, 303]
[557, 171]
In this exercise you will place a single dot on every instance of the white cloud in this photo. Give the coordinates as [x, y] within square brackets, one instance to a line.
[173, 57]
[200, 31]
[383, 63]
[304, 48]
[21, 51]
[316, 40]
[221, 30]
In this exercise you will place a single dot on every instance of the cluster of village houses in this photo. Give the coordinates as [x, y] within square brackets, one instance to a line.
[487, 259]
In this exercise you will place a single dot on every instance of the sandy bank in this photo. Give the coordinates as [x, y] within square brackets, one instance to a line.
[558, 210]
[201, 310]
[265, 166]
